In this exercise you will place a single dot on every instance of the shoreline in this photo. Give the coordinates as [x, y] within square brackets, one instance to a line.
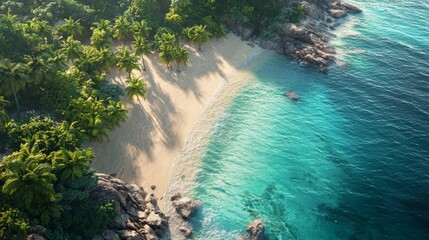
[145, 149]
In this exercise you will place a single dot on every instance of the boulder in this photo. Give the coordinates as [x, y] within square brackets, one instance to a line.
[337, 13]
[298, 33]
[130, 235]
[35, 236]
[344, 6]
[184, 206]
[312, 10]
[154, 220]
[256, 230]
[186, 231]
[150, 233]
[135, 209]
[109, 234]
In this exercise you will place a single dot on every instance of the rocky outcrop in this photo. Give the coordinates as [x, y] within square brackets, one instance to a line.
[138, 215]
[256, 230]
[184, 206]
[308, 41]
[186, 231]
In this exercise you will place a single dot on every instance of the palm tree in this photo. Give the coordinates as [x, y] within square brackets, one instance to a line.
[103, 25]
[38, 68]
[127, 61]
[72, 164]
[71, 28]
[135, 88]
[141, 29]
[57, 62]
[13, 77]
[181, 56]
[200, 35]
[122, 28]
[107, 58]
[167, 55]
[101, 39]
[4, 118]
[141, 47]
[41, 28]
[96, 128]
[166, 39]
[28, 181]
[72, 48]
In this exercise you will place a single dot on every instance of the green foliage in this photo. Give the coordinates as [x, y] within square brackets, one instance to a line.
[215, 29]
[198, 34]
[76, 190]
[4, 118]
[291, 14]
[141, 47]
[94, 116]
[71, 165]
[13, 224]
[167, 54]
[127, 61]
[49, 134]
[71, 28]
[112, 91]
[123, 28]
[13, 42]
[94, 61]
[181, 56]
[57, 93]
[28, 180]
[84, 222]
[135, 88]
[150, 10]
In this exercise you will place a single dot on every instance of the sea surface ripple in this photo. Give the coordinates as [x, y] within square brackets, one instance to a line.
[349, 161]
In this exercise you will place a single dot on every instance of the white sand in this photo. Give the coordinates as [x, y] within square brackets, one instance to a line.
[144, 149]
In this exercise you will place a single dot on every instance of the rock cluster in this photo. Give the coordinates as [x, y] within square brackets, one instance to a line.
[138, 214]
[184, 206]
[307, 41]
[256, 230]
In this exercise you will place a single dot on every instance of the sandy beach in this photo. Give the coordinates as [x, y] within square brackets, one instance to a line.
[145, 147]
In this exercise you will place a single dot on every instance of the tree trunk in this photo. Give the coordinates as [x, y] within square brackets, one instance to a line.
[17, 104]
[199, 47]
[177, 69]
[144, 65]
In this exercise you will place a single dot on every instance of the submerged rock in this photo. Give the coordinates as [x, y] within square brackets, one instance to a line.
[256, 230]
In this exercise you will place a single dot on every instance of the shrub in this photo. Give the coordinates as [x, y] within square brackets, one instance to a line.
[13, 224]
[57, 93]
[49, 134]
[95, 116]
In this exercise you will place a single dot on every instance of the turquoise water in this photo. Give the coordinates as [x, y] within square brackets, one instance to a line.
[350, 161]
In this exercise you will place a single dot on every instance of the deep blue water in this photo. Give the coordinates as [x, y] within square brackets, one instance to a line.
[350, 161]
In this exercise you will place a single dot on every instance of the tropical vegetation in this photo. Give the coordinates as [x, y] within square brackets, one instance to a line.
[55, 59]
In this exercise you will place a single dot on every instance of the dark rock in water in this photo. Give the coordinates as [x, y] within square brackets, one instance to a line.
[186, 231]
[256, 230]
[138, 215]
[184, 206]
[344, 6]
